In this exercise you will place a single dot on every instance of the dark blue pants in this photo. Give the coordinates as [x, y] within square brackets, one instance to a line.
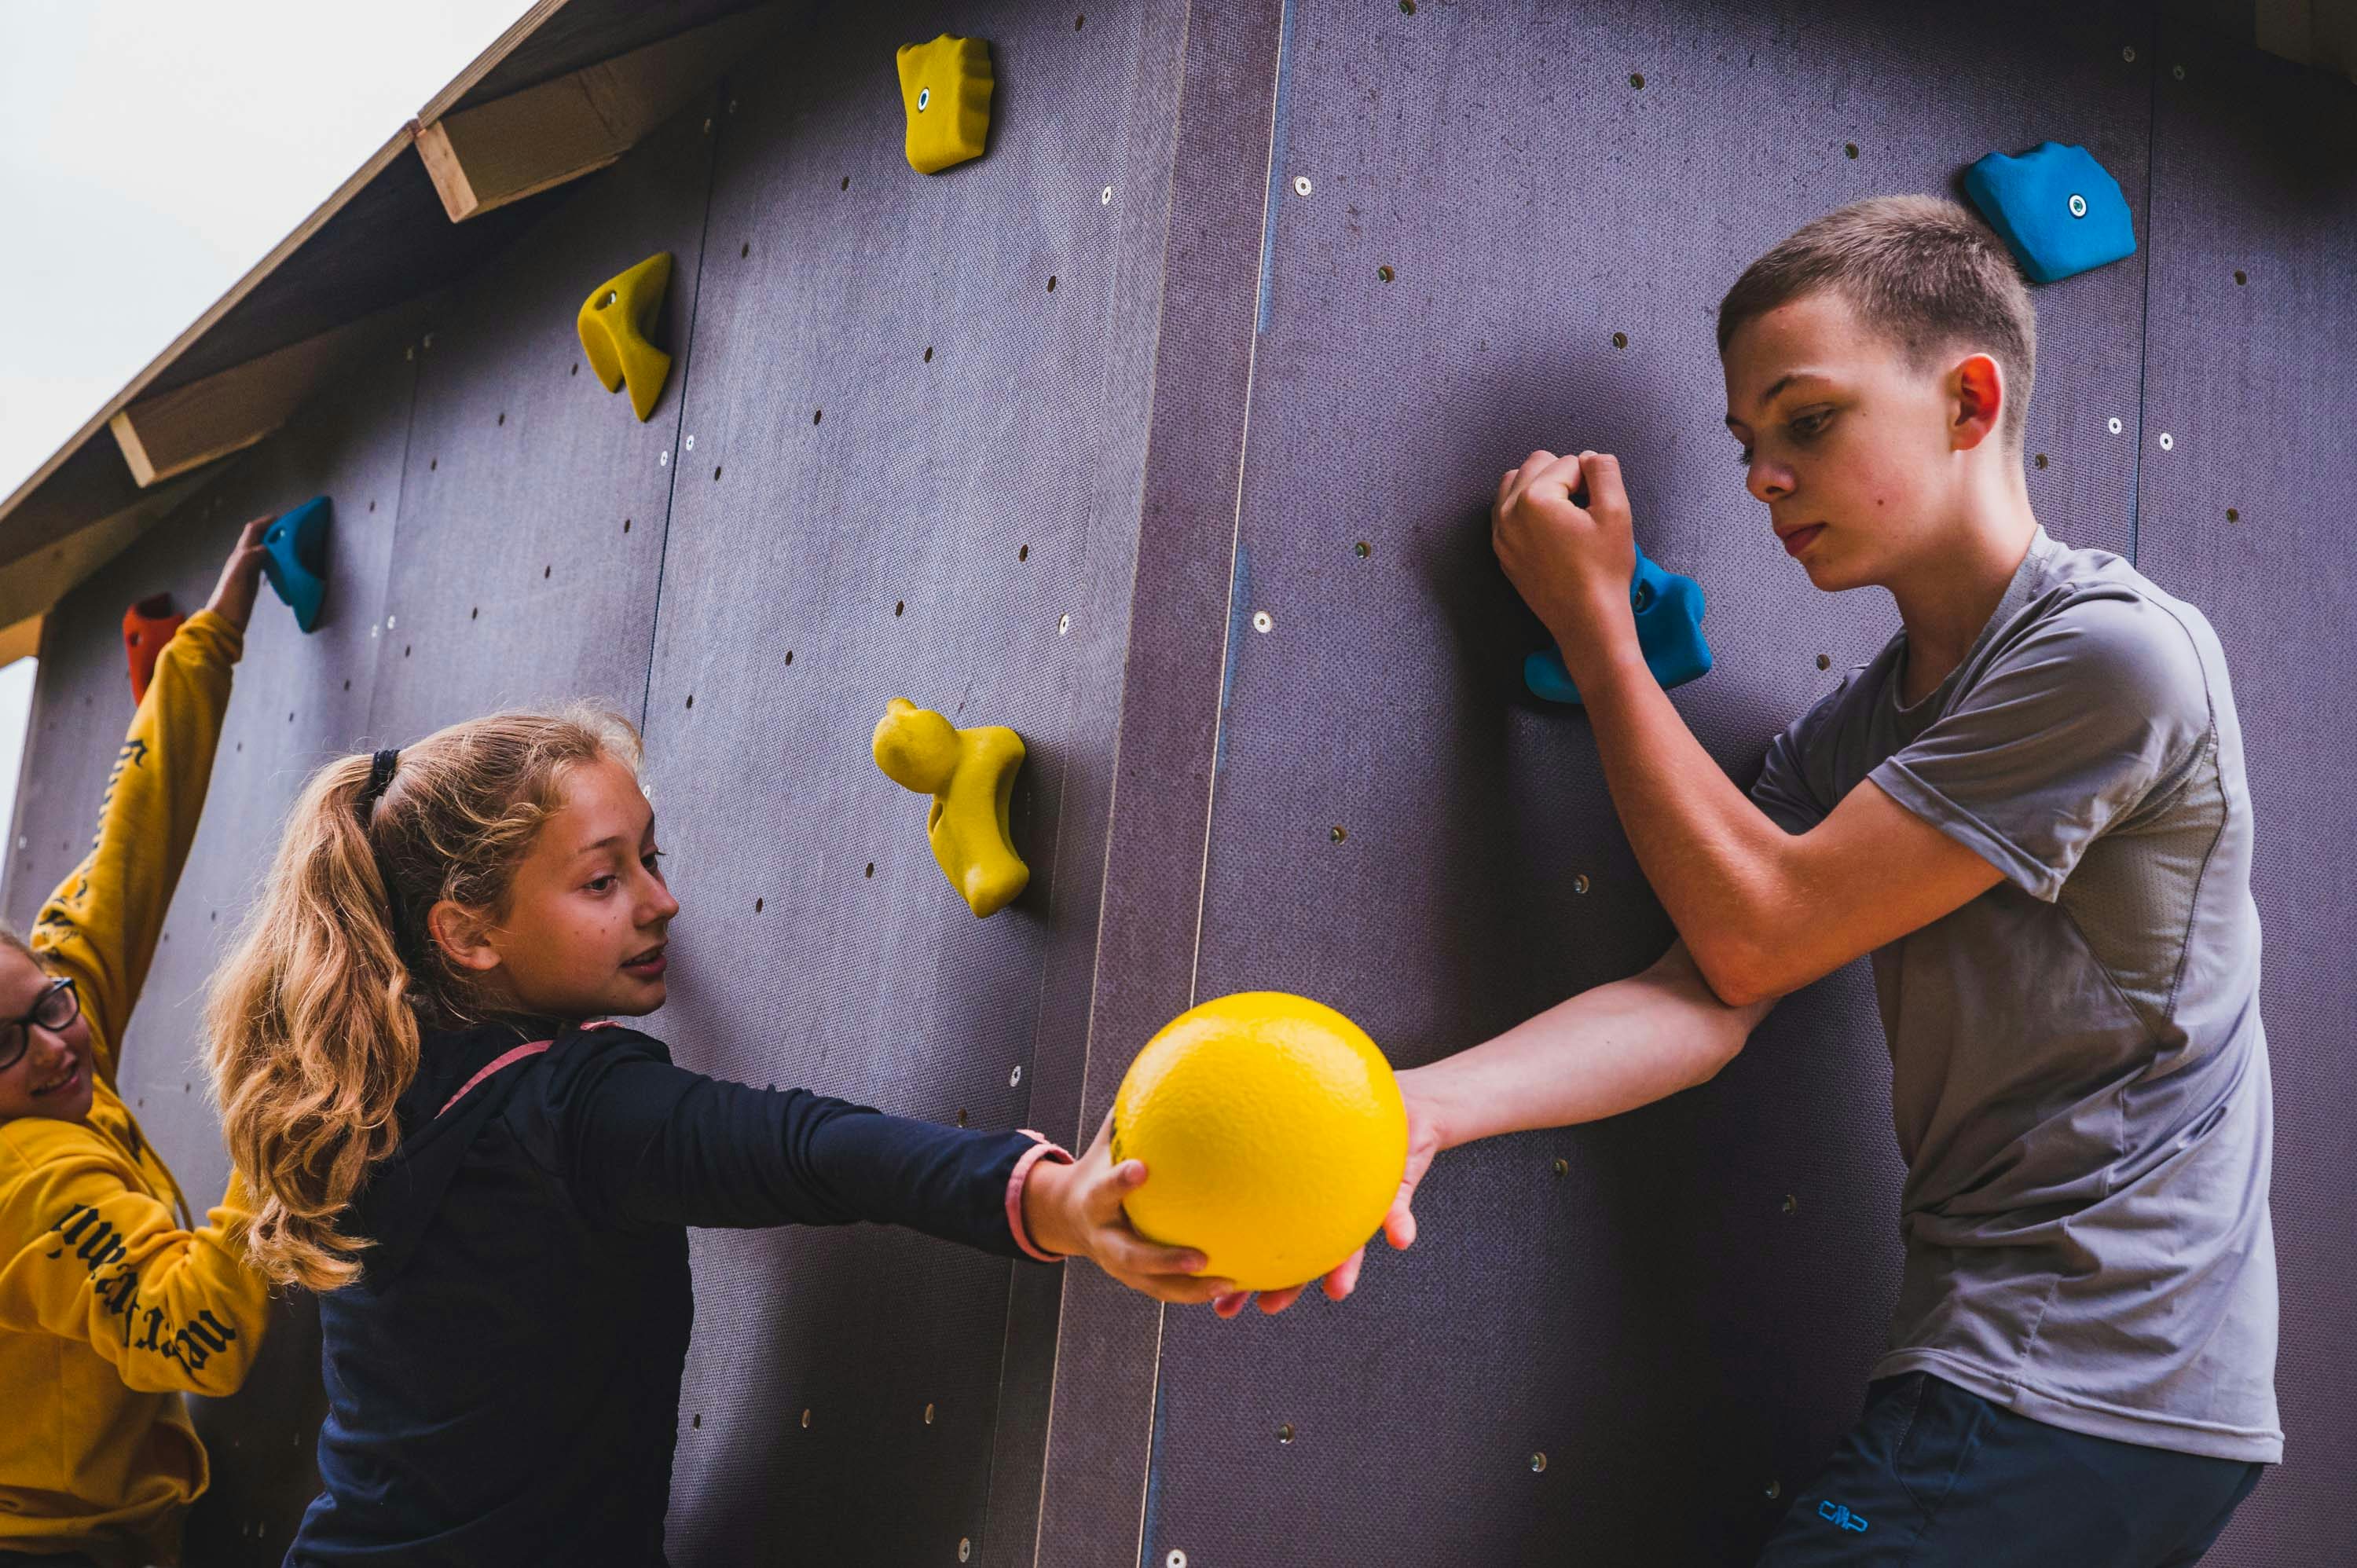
[1933, 1476]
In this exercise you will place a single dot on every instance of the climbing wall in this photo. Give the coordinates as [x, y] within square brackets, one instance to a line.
[1164, 434]
[2253, 329]
[531, 529]
[908, 465]
[1491, 234]
[295, 702]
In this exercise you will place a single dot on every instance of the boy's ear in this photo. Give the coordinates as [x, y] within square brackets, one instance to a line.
[1976, 400]
[463, 936]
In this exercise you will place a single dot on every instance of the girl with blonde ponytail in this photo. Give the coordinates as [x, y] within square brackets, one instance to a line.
[492, 1183]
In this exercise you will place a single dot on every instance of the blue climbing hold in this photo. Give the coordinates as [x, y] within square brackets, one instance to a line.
[297, 559]
[2058, 210]
[1668, 630]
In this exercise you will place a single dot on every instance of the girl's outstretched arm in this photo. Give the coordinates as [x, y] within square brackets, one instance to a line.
[647, 1142]
[102, 923]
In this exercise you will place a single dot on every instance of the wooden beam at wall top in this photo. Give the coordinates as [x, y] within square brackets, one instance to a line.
[32, 585]
[189, 426]
[512, 147]
[22, 640]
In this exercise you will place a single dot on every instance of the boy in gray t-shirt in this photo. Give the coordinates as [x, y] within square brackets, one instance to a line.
[2031, 809]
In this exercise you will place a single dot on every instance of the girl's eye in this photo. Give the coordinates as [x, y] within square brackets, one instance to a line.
[1810, 424]
[1743, 457]
[652, 860]
[599, 884]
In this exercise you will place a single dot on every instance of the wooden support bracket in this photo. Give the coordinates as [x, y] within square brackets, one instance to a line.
[34, 583]
[22, 640]
[189, 426]
[512, 147]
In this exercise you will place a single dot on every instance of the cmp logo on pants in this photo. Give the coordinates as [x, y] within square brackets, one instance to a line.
[1835, 1514]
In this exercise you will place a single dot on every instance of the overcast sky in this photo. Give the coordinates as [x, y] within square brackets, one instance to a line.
[151, 151]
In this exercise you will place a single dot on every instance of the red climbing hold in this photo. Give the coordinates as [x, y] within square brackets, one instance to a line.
[148, 625]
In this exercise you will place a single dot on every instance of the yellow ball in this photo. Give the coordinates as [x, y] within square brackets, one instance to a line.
[1272, 1134]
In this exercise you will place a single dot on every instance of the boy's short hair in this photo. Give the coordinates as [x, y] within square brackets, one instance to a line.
[1922, 271]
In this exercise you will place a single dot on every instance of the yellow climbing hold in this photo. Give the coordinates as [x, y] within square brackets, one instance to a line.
[1273, 1133]
[614, 323]
[970, 774]
[945, 86]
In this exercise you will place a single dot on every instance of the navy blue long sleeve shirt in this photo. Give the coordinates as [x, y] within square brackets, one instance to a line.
[503, 1382]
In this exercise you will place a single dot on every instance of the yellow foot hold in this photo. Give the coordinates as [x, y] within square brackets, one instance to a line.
[970, 774]
[945, 87]
[614, 323]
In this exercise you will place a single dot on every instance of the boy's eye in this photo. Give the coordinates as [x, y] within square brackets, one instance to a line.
[1743, 457]
[1810, 424]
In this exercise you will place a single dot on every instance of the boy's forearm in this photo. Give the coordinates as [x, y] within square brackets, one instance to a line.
[1714, 859]
[1604, 1051]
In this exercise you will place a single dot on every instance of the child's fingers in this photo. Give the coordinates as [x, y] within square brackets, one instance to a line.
[1103, 1204]
[1399, 1225]
[1272, 1301]
[1230, 1304]
[1565, 471]
[1342, 1279]
[1130, 1253]
[1606, 492]
[1180, 1290]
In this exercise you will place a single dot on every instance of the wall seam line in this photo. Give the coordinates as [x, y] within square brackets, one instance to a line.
[685, 361]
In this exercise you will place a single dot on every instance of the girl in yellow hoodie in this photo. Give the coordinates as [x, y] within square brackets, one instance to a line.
[111, 1303]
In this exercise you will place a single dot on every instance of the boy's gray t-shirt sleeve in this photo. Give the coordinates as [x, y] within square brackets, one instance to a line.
[1794, 780]
[2071, 727]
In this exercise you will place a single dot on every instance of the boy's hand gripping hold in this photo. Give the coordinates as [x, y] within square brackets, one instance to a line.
[1561, 529]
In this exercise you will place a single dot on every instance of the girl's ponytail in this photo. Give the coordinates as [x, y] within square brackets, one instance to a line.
[314, 1020]
[313, 1035]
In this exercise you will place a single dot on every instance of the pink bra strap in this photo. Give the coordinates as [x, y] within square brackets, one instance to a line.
[504, 1060]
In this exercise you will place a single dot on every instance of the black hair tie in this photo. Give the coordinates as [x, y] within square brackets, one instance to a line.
[381, 769]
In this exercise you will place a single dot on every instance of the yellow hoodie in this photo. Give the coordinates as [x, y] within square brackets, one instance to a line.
[109, 1306]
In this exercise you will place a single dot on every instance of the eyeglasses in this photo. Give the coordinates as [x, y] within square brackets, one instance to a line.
[58, 1005]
